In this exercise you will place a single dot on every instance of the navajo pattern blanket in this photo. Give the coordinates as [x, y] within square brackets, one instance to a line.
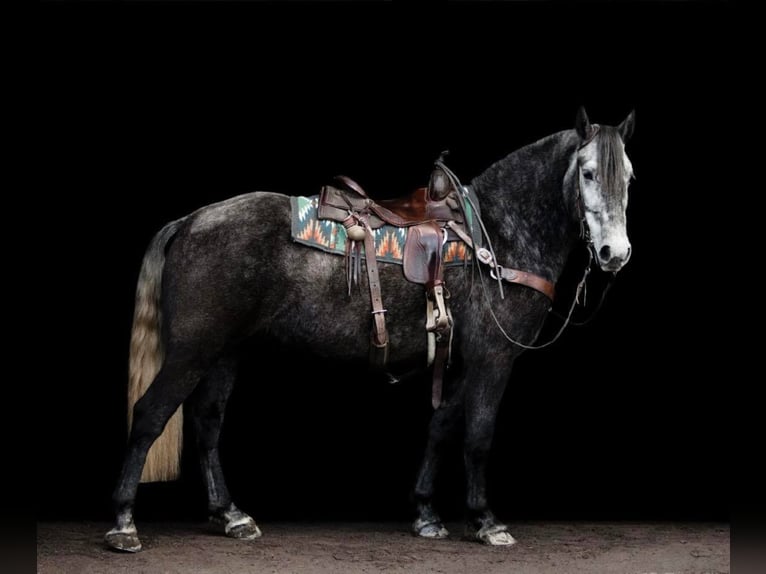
[330, 236]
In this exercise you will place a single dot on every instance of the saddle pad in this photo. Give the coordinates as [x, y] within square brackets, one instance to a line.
[330, 236]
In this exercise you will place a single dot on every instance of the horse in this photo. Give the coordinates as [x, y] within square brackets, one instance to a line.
[229, 273]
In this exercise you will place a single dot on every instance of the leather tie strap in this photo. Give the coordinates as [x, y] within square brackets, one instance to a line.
[379, 349]
[442, 355]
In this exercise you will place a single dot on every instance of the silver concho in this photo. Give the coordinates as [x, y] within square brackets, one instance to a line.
[356, 233]
[484, 256]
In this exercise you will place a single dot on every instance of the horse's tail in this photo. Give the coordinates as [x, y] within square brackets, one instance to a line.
[146, 355]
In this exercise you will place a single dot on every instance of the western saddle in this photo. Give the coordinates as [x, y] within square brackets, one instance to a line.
[432, 215]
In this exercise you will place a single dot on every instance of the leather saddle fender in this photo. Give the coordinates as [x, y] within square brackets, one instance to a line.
[422, 254]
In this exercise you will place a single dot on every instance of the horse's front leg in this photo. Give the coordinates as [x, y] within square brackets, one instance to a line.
[482, 404]
[428, 524]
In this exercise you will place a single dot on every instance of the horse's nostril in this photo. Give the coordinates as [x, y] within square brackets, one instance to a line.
[605, 253]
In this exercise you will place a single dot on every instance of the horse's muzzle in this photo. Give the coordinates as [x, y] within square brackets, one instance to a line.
[610, 261]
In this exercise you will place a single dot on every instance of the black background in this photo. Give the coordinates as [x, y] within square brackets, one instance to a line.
[149, 111]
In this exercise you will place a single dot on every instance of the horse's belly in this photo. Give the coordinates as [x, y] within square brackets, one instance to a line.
[318, 314]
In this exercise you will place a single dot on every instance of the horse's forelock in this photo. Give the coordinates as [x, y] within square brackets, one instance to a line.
[611, 162]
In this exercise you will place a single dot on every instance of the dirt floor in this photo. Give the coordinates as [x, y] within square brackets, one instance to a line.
[340, 548]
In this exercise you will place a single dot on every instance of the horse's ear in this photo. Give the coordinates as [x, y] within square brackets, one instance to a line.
[582, 124]
[626, 127]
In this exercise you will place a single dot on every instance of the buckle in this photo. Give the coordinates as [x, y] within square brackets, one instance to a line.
[506, 274]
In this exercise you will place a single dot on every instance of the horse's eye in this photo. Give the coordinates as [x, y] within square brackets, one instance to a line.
[588, 175]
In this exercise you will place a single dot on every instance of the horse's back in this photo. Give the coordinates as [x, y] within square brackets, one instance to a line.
[240, 213]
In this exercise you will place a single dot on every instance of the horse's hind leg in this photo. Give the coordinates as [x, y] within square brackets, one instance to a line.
[173, 384]
[207, 408]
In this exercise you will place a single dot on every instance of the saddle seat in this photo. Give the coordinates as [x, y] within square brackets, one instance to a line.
[422, 205]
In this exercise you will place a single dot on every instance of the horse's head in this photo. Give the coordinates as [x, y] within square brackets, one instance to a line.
[604, 174]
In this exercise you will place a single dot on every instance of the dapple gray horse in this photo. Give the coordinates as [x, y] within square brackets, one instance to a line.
[230, 273]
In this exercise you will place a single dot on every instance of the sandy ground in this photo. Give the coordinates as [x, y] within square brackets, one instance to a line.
[339, 548]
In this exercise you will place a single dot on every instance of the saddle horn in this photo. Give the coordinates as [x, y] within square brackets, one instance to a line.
[440, 185]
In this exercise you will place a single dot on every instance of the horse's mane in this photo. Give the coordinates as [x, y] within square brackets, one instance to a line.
[548, 158]
[539, 165]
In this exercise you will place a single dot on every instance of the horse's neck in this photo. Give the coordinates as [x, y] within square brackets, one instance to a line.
[528, 205]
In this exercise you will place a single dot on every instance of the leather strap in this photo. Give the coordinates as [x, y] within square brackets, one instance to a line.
[352, 185]
[439, 325]
[530, 280]
[442, 354]
[508, 274]
[379, 348]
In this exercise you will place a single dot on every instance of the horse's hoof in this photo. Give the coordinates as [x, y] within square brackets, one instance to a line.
[432, 530]
[244, 528]
[499, 539]
[495, 535]
[237, 524]
[123, 540]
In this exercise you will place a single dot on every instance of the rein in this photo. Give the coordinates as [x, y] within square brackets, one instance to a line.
[487, 256]
[567, 320]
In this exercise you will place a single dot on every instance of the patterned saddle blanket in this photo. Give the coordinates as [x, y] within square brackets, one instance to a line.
[330, 236]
